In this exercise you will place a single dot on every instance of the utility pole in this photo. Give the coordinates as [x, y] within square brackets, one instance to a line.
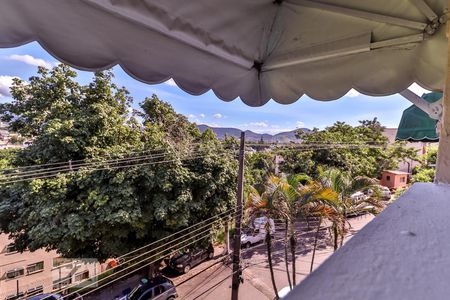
[237, 235]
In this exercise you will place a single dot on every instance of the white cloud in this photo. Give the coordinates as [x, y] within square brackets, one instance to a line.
[217, 116]
[30, 60]
[171, 82]
[191, 116]
[417, 89]
[258, 124]
[352, 93]
[300, 124]
[209, 124]
[201, 115]
[5, 84]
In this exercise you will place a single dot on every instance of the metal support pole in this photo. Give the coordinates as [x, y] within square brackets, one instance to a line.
[443, 161]
[237, 235]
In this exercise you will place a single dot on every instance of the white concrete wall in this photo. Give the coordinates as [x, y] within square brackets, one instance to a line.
[404, 253]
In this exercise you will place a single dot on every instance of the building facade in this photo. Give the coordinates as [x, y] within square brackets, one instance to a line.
[394, 179]
[31, 273]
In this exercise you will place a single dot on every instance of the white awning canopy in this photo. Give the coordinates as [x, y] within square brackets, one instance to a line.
[253, 49]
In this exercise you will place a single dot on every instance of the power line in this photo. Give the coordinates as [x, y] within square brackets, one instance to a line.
[70, 166]
[134, 270]
[183, 230]
[212, 223]
[43, 175]
[80, 160]
[166, 149]
[207, 232]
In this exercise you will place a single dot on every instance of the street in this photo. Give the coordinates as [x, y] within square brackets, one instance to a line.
[215, 281]
[212, 278]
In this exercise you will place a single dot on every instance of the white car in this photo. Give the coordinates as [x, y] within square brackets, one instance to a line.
[247, 240]
[260, 224]
[385, 192]
[259, 231]
[358, 196]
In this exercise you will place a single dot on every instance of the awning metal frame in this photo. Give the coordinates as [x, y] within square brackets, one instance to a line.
[434, 110]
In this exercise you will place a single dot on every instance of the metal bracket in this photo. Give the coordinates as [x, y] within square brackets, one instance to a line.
[434, 110]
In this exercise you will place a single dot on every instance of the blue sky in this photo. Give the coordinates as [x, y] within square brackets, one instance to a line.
[208, 109]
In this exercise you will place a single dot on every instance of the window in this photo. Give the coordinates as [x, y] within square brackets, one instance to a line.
[402, 179]
[15, 273]
[11, 248]
[82, 276]
[35, 267]
[148, 295]
[136, 293]
[58, 261]
[35, 291]
[388, 178]
[159, 290]
[15, 296]
[58, 283]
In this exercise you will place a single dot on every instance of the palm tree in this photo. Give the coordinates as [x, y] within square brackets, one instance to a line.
[263, 203]
[292, 196]
[290, 201]
[318, 201]
[345, 186]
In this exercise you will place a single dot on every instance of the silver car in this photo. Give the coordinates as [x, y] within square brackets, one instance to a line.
[159, 288]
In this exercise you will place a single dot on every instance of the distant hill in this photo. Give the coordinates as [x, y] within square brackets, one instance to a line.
[282, 137]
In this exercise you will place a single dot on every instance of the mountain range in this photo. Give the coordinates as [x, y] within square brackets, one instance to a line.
[282, 137]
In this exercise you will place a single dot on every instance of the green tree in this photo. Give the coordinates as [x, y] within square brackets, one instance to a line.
[107, 211]
[369, 154]
[425, 172]
[258, 167]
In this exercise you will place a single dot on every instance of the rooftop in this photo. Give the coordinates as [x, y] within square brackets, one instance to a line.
[396, 172]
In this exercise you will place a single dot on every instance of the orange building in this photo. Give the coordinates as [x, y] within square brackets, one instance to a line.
[394, 179]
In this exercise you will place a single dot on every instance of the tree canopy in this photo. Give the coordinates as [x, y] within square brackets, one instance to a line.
[370, 154]
[105, 212]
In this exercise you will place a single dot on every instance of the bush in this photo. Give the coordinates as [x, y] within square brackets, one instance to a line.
[423, 174]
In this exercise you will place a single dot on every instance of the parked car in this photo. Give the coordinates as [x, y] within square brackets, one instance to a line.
[183, 262]
[384, 191]
[158, 288]
[75, 296]
[249, 239]
[260, 224]
[257, 232]
[358, 196]
[46, 297]
[284, 291]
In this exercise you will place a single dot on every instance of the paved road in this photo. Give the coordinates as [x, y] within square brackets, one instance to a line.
[215, 282]
[212, 279]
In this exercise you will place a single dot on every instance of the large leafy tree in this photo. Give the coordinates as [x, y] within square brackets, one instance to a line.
[369, 155]
[107, 211]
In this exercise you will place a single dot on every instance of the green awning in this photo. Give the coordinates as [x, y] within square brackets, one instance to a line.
[416, 125]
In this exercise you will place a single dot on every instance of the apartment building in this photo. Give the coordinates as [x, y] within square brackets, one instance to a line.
[31, 273]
